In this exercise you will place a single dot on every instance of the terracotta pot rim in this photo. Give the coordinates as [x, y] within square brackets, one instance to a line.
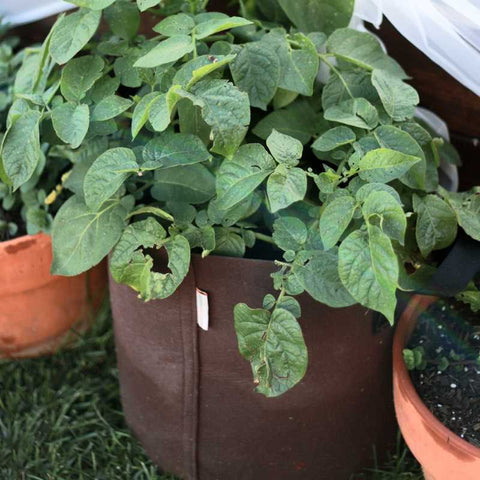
[23, 238]
[417, 305]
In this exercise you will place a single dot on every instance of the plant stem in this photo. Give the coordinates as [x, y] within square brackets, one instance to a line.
[155, 211]
[332, 67]
[194, 41]
[147, 185]
[281, 295]
[258, 236]
[264, 238]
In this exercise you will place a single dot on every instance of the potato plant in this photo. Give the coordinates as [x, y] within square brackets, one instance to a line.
[213, 133]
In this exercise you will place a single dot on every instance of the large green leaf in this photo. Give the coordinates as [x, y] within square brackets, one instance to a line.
[26, 75]
[340, 86]
[171, 149]
[226, 109]
[142, 112]
[230, 216]
[71, 33]
[129, 265]
[334, 138]
[273, 343]
[84, 157]
[191, 183]
[161, 109]
[170, 50]
[285, 149]
[191, 121]
[335, 219]
[319, 276]
[384, 165]
[466, 206]
[289, 233]
[398, 98]
[228, 243]
[189, 72]
[79, 75]
[299, 65]
[389, 136]
[71, 123]
[110, 107]
[272, 11]
[93, 4]
[215, 25]
[82, 238]
[362, 49]
[146, 4]
[212, 66]
[318, 15]
[239, 177]
[356, 113]
[125, 71]
[286, 186]
[298, 120]
[104, 87]
[436, 226]
[107, 174]
[365, 190]
[368, 268]
[179, 24]
[21, 148]
[386, 208]
[256, 70]
[123, 19]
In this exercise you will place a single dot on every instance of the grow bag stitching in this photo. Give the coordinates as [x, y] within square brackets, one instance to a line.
[190, 379]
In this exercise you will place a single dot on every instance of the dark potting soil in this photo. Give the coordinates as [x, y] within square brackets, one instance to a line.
[453, 395]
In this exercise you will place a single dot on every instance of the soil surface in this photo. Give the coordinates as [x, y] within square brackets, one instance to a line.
[450, 329]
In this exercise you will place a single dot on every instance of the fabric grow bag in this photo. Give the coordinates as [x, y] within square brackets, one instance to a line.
[188, 394]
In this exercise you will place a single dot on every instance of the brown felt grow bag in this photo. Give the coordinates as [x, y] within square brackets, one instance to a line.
[188, 394]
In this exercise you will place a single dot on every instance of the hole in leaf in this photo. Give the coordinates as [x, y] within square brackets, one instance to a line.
[160, 259]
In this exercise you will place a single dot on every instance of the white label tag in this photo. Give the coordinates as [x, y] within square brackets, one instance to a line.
[202, 309]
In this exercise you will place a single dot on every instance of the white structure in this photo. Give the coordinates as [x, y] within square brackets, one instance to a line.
[17, 12]
[447, 31]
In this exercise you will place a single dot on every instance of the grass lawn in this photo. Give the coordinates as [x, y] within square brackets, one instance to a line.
[61, 419]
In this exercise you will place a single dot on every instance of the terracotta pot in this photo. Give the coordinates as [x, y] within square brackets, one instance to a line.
[189, 398]
[38, 310]
[442, 454]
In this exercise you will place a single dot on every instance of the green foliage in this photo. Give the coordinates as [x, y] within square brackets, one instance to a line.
[436, 226]
[470, 296]
[417, 359]
[22, 210]
[217, 134]
[318, 15]
[71, 33]
[274, 345]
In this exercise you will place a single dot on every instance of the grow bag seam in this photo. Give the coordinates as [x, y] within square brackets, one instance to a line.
[190, 380]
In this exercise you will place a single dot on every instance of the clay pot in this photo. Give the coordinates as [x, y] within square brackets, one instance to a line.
[37, 310]
[188, 394]
[442, 454]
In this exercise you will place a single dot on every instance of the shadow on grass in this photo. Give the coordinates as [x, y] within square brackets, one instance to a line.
[399, 465]
[61, 419]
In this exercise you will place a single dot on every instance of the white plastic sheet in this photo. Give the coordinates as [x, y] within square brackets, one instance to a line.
[18, 12]
[447, 31]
